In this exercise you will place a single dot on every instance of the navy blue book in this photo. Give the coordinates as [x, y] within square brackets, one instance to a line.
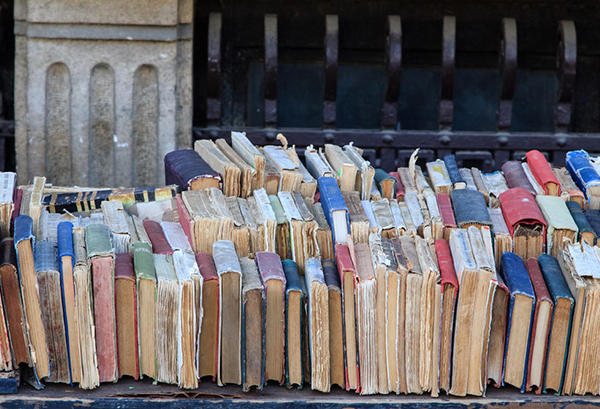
[335, 209]
[67, 285]
[520, 319]
[294, 305]
[586, 232]
[560, 327]
[593, 218]
[458, 182]
[470, 208]
[185, 168]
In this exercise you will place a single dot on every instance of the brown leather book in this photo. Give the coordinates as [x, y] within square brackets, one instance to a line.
[13, 304]
[126, 314]
[540, 328]
[209, 335]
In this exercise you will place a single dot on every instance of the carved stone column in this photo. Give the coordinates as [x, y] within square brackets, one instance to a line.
[103, 89]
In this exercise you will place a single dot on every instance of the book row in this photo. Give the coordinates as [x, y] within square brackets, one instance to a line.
[411, 282]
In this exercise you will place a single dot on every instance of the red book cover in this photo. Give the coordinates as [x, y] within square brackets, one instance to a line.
[160, 245]
[206, 265]
[445, 263]
[346, 267]
[445, 207]
[541, 295]
[399, 187]
[541, 169]
[519, 207]
[185, 219]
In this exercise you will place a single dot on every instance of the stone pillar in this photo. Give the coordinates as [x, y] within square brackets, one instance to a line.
[103, 89]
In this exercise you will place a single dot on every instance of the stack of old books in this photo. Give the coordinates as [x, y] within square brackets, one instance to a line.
[257, 265]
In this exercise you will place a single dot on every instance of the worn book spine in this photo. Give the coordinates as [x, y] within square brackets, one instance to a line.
[583, 225]
[557, 217]
[584, 175]
[458, 182]
[160, 245]
[13, 303]
[293, 357]
[126, 313]
[518, 205]
[382, 177]
[399, 186]
[332, 200]
[438, 174]
[470, 208]
[569, 190]
[515, 176]
[541, 170]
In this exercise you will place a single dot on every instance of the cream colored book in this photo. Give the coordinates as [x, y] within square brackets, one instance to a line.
[316, 165]
[561, 227]
[359, 223]
[297, 229]
[365, 172]
[261, 209]
[311, 246]
[240, 234]
[250, 223]
[438, 174]
[248, 176]
[384, 218]
[437, 225]
[116, 220]
[217, 160]
[343, 166]
[251, 155]
[398, 219]
[291, 177]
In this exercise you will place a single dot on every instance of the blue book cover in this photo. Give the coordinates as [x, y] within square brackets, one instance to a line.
[582, 171]
[453, 171]
[470, 208]
[559, 289]
[65, 248]
[332, 201]
[517, 280]
[293, 284]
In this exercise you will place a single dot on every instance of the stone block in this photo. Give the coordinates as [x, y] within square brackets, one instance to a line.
[102, 89]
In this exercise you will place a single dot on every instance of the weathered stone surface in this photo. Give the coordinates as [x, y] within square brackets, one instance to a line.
[110, 107]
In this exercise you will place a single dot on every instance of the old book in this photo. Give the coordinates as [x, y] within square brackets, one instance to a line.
[318, 322]
[283, 231]
[453, 173]
[399, 187]
[297, 233]
[435, 217]
[209, 332]
[541, 170]
[247, 151]
[316, 165]
[116, 220]
[561, 225]
[7, 189]
[593, 218]
[446, 213]
[49, 283]
[13, 303]
[311, 226]
[366, 297]
[449, 284]
[274, 282]
[308, 185]
[467, 273]
[408, 180]
[467, 175]
[539, 190]
[323, 235]
[160, 245]
[568, 188]
[429, 317]
[386, 184]
[126, 313]
[384, 219]
[67, 261]
[33, 204]
[365, 172]
[6, 355]
[343, 166]
[294, 339]
[305, 347]
[185, 168]
[348, 280]
[248, 176]
[521, 307]
[228, 170]
[407, 218]
[336, 318]
[585, 176]
[497, 342]
[167, 311]
[240, 234]
[253, 298]
[560, 326]
[540, 328]
[359, 224]
[502, 239]
[525, 222]
[290, 176]
[265, 218]
[229, 368]
[101, 259]
[440, 177]
[470, 209]
[481, 186]
[495, 184]
[198, 220]
[335, 209]
[145, 279]
[185, 266]
[399, 222]
[585, 231]
[387, 370]
[515, 176]
[403, 265]
[90, 377]
[254, 244]
[272, 179]
[413, 324]
[580, 268]
[413, 205]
